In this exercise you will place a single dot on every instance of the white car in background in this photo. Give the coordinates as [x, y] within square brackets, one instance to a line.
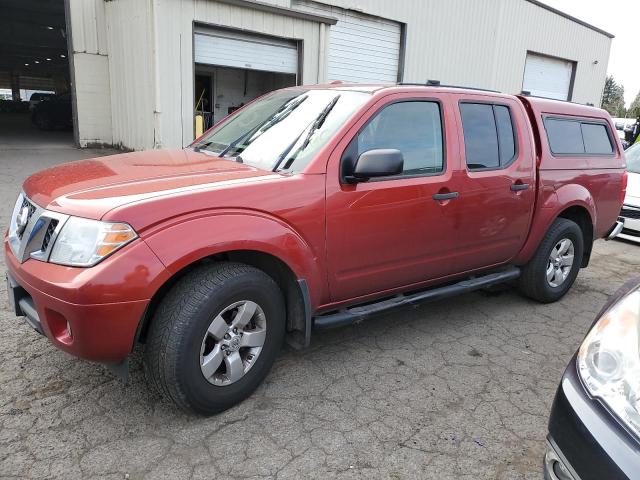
[631, 208]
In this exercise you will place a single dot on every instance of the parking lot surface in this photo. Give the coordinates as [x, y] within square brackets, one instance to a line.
[457, 389]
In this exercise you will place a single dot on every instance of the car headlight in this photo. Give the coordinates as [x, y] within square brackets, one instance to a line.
[609, 360]
[83, 242]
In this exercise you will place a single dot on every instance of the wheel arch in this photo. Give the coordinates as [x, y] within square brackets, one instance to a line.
[581, 211]
[580, 215]
[294, 290]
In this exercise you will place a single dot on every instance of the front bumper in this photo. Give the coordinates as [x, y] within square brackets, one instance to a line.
[92, 313]
[588, 440]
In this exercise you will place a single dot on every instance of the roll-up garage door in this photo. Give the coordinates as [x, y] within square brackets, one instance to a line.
[242, 50]
[362, 48]
[548, 77]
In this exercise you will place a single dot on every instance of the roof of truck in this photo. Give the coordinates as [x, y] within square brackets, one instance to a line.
[550, 106]
[539, 104]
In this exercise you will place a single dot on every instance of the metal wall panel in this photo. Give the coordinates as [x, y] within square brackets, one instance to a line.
[485, 43]
[90, 63]
[463, 42]
[131, 74]
[176, 20]
[88, 26]
[93, 99]
[362, 48]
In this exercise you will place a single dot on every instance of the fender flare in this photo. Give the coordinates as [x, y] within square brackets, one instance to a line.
[192, 239]
[560, 200]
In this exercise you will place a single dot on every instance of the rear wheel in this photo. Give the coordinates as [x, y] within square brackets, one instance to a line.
[215, 337]
[551, 272]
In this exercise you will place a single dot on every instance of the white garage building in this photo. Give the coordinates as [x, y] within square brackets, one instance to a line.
[141, 70]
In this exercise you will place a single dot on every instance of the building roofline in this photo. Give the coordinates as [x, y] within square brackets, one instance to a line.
[266, 7]
[570, 17]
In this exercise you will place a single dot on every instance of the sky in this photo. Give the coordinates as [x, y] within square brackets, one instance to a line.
[622, 19]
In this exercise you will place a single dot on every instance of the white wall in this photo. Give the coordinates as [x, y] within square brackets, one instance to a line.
[93, 99]
[90, 76]
[464, 42]
[175, 21]
[484, 43]
[131, 73]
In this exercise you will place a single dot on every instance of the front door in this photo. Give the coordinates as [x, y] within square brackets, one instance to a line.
[390, 232]
[497, 180]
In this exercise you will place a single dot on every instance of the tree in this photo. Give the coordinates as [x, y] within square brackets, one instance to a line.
[634, 109]
[613, 98]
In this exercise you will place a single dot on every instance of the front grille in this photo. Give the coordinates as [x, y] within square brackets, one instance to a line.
[32, 209]
[630, 213]
[47, 235]
[36, 238]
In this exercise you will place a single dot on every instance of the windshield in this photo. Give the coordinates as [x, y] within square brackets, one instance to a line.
[633, 158]
[283, 130]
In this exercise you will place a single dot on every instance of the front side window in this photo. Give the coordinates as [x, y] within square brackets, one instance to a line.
[489, 139]
[414, 128]
[284, 130]
[575, 137]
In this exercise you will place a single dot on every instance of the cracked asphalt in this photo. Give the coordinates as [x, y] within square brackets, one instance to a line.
[458, 389]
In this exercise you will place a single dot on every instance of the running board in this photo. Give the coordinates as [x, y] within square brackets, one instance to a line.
[359, 313]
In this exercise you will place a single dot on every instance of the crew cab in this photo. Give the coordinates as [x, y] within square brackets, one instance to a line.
[311, 207]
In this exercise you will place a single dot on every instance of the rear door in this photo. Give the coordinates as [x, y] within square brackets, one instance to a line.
[391, 232]
[497, 180]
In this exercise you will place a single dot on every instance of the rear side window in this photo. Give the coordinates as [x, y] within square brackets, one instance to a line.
[596, 139]
[573, 137]
[489, 140]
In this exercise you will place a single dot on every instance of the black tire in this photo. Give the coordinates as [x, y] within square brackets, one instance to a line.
[533, 280]
[173, 347]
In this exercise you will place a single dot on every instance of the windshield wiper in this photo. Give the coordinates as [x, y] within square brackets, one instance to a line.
[317, 123]
[283, 112]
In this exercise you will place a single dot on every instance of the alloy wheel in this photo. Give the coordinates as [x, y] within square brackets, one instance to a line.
[560, 262]
[233, 342]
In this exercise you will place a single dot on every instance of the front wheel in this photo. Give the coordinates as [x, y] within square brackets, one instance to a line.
[215, 337]
[550, 273]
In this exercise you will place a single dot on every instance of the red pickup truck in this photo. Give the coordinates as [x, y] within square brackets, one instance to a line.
[311, 207]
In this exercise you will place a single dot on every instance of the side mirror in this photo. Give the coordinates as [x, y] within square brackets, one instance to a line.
[377, 163]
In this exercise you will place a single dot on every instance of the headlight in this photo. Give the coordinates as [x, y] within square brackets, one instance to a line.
[609, 360]
[83, 242]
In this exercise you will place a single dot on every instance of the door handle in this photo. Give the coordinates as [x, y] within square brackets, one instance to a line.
[518, 187]
[445, 196]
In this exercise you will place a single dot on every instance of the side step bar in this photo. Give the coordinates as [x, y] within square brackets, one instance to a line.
[359, 313]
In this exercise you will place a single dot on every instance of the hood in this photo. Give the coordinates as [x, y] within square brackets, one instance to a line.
[633, 190]
[90, 188]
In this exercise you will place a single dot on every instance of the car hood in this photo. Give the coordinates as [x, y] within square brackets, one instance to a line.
[90, 188]
[633, 190]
